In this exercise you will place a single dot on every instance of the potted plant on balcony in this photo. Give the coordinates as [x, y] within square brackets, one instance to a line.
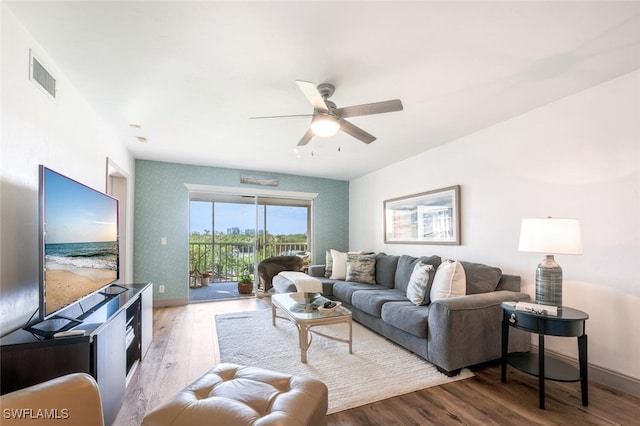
[204, 278]
[245, 283]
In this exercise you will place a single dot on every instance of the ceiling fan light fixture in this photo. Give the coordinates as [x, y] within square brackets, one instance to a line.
[325, 125]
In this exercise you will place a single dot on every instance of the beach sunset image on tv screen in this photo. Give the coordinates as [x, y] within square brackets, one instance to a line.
[80, 241]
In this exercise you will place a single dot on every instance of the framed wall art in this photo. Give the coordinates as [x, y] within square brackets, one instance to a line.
[431, 217]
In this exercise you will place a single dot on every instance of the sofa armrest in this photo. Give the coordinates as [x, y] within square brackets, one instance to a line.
[467, 330]
[73, 399]
[316, 271]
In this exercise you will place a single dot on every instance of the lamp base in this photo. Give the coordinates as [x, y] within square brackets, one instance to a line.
[549, 282]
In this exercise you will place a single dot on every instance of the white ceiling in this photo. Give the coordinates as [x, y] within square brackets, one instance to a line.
[191, 73]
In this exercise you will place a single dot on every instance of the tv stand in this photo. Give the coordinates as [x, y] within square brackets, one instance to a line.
[53, 325]
[114, 290]
[117, 334]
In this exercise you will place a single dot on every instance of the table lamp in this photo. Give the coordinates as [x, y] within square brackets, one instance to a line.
[550, 236]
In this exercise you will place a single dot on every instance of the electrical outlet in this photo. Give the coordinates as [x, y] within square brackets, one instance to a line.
[161, 288]
[163, 241]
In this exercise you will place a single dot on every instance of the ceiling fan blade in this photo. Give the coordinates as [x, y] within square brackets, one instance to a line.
[369, 109]
[282, 116]
[306, 138]
[356, 132]
[313, 95]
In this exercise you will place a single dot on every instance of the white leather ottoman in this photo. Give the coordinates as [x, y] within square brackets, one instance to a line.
[234, 395]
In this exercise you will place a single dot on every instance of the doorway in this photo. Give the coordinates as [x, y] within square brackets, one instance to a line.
[117, 186]
[229, 234]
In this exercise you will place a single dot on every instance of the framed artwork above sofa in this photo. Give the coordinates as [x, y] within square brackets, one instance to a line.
[431, 217]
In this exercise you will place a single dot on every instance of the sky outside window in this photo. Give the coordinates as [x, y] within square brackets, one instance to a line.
[281, 220]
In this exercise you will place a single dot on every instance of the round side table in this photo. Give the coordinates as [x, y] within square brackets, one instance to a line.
[568, 323]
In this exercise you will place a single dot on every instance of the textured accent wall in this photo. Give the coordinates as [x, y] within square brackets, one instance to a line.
[162, 210]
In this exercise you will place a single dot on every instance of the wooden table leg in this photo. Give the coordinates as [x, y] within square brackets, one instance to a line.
[350, 337]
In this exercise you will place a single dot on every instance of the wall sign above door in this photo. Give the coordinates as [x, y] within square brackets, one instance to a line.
[259, 180]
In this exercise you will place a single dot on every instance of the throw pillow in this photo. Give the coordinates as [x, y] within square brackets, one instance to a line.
[405, 267]
[328, 264]
[361, 268]
[386, 266]
[419, 288]
[450, 281]
[339, 260]
[481, 278]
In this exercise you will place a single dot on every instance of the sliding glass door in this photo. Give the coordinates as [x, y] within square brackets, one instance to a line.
[230, 234]
[284, 227]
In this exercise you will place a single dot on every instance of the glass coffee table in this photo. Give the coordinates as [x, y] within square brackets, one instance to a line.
[305, 311]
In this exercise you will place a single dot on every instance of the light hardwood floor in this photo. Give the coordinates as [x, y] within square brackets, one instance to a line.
[185, 346]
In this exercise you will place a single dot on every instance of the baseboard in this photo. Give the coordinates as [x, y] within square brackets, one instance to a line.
[602, 375]
[160, 303]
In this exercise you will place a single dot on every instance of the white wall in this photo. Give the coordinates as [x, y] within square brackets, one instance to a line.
[578, 157]
[65, 135]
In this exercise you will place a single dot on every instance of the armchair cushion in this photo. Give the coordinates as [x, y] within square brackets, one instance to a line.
[73, 399]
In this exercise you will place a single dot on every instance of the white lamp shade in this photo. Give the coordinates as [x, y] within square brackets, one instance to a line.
[325, 125]
[551, 236]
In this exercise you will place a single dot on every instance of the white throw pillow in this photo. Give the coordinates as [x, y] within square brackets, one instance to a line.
[339, 271]
[418, 290]
[450, 281]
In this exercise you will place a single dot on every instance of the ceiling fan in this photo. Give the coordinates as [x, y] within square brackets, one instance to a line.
[328, 119]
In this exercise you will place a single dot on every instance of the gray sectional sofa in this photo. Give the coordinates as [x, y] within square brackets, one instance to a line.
[451, 333]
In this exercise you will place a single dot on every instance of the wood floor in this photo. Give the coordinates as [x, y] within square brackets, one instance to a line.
[185, 346]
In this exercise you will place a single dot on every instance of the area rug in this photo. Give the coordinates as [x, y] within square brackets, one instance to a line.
[378, 369]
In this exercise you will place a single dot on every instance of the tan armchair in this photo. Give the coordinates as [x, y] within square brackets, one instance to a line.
[73, 399]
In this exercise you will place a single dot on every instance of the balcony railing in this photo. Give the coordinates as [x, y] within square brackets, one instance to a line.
[226, 261]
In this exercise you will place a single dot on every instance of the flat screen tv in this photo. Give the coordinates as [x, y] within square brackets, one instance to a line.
[78, 242]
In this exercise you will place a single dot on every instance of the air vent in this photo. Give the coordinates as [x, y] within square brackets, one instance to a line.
[41, 77]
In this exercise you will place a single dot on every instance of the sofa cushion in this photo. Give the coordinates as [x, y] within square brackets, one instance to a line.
[449, 281]
[343, 290]
[405, 267]
[481, 278]
[361, 268]
[371, 301]
[419, 288]
[386, 269]
[407, 317]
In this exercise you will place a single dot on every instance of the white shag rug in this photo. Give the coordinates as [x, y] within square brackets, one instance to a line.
[378, 369]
